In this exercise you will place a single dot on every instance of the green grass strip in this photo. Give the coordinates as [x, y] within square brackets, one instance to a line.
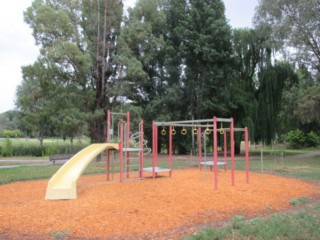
[301, 225]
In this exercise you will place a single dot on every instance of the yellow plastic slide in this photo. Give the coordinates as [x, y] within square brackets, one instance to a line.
[63, 184]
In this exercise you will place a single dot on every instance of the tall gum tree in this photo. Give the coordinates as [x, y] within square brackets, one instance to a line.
[78, 40]
[294, 24]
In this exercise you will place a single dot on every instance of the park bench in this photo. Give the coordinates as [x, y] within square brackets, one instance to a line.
[59, 157]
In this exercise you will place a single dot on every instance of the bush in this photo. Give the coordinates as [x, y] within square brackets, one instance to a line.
[6, 150]
[11, 133]
[28, 150]
[297, 139]
[312, 139]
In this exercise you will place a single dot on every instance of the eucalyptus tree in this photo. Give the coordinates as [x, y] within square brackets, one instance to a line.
[301, 104]
[77, 42]
[294, 24]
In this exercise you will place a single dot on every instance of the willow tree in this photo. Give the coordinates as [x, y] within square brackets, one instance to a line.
[292, 28]
[273, 80]
[246, 57]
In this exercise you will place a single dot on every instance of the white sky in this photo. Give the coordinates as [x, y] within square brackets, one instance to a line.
[17, 46]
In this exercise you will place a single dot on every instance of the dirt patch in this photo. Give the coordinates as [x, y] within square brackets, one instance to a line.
[145, 209]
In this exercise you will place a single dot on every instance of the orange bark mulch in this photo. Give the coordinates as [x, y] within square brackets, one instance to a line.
[142, 209]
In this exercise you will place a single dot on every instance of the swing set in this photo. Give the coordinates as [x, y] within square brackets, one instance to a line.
[202, 129]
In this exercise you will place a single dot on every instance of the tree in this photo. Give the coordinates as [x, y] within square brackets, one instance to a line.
[78, 43]
[101, 23]
[247, 47]
[309, 105]
[293, 24]
[32, 101]
[206, 52]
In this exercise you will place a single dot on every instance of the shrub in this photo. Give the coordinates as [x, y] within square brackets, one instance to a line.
[11, 133]
[6, 150]
[312, 139]
[295, 139]
[46, 150]
[28, 150]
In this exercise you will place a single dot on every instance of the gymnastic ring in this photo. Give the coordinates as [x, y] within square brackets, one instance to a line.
[173, 131]
[221, 130]
[195, 131]
[207, 131]
[163, 132]
[184, 131]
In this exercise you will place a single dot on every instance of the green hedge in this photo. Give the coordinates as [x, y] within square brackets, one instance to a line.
[298, 139]
[8, 150]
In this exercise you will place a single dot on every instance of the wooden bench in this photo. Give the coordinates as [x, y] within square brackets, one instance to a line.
[59, 157]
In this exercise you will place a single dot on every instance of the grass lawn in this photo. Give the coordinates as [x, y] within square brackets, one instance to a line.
[303, 224]
[305, 168]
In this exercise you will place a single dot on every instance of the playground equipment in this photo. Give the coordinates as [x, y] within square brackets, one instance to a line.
[63, 184]
[129, 144]
[210, 126]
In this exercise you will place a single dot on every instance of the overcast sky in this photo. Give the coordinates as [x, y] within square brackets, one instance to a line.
[17, 46]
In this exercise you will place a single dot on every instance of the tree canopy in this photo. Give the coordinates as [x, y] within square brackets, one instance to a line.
[171, 60]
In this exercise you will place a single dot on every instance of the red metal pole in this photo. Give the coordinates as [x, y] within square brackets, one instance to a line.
[141, 148]
[170, 150]
[108, 125]
[199, 148]
[246, 136]
[225, 150]
[215, 153]
[108, 165]
[121, 150]
[128, 144]
[157, 150]
[232, 152]
[153, 148]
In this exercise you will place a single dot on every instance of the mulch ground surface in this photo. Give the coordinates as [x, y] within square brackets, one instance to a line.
[161, 208]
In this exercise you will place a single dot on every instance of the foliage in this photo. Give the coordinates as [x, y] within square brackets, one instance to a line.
[294, 25]
[61, 234]
[299, 201]
[11, 133]
[272, 82]
[66, 89]
[30, 148]
[297, 139]
[312, 139]
[6, 150]
[170, 60]
[300, 105]
[184, 49]
[308, 109]
[291, 29]
[9, 120]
